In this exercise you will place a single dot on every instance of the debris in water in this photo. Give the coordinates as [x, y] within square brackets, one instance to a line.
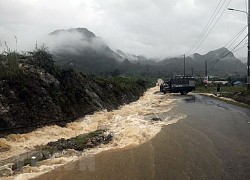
[156, 119]
[58, 148]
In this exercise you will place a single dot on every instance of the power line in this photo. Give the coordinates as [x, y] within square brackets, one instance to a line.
[235, 37]
[227, 53]
[212, 27]
[232, 40]
[204, 30]
[246, 4]
[201, 38]
[243, 46]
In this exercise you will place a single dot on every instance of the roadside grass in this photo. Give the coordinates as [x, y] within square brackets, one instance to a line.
[224, 89]
[239, 94]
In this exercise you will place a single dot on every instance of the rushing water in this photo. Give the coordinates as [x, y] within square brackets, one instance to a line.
[131, 124]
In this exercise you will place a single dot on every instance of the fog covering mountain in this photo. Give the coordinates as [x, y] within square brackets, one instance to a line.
[82, 50]
[243, 59]
[227, 63]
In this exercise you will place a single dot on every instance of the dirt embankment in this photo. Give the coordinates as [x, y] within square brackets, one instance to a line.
[35, 95]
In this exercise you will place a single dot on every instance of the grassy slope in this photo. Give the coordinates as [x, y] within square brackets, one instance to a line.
[237, 93]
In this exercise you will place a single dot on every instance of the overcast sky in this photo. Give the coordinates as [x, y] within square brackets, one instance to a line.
[155, 28]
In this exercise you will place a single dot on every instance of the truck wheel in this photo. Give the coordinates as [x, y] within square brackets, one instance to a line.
[184, 92]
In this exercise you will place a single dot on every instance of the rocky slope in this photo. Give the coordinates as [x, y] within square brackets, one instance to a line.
[34, 92]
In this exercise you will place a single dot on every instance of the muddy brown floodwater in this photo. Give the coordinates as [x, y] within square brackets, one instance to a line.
[131, 125]
[213, 142]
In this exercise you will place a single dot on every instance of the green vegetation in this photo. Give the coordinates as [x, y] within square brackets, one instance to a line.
[9, 66]
[224, 89]
[43, 59]
[78, 143]
[237, 93]
[36, 92]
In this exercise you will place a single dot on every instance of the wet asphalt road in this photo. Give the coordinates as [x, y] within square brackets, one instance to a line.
[213, 142]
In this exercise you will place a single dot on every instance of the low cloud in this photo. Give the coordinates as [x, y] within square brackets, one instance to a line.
[155, 28]
[73, 42]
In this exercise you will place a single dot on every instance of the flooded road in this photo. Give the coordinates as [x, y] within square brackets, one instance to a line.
[212, 142]
[130, 125]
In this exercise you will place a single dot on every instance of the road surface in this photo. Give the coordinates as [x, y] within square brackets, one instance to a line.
[213, 142]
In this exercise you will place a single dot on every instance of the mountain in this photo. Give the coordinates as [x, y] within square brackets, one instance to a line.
[136, 59]
[220, 62]
[243, 59]
[84, 31]
[82, 50]
[129, 56]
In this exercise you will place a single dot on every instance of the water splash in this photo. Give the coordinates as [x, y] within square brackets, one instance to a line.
[130, 124]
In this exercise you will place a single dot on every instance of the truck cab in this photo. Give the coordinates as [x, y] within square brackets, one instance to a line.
[179, 84]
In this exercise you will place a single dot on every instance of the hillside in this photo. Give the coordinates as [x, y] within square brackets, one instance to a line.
[34, 92]
[227, 65]
[82, 50]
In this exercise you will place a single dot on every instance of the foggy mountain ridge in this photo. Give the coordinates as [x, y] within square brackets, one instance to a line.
[80, 39]
[243, 59]
[129, 56]
[226, 65]
[84, 31]
[215, 54]
[84, 51]
[137, 58]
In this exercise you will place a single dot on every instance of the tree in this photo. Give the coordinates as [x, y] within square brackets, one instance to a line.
[42, 58]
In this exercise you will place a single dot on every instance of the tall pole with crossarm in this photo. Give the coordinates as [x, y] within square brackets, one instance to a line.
[184, 67]
[248, 47]
[248, 44]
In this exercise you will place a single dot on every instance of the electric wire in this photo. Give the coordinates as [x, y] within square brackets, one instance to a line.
[246, 4]
[227, 54]
[207, 30]
[232, 41]
[204, 30]
[203, 40]
[243, 46]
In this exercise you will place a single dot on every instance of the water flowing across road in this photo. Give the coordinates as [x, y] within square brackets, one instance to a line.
[131, 125]
[211, 143]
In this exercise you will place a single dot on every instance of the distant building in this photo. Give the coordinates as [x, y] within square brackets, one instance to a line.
[221, 82]
[237, 83]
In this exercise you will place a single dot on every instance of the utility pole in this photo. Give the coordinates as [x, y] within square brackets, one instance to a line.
[147, 75]
[185, 64]
[205, 68]
[248, 44]
[192, 72]
[248, 48]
